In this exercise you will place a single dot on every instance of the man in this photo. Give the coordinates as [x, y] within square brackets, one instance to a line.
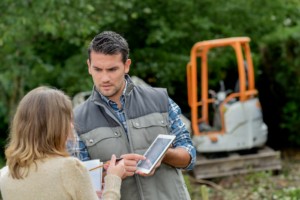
[123, 119]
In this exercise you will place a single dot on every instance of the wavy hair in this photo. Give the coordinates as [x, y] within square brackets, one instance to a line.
[39, 129]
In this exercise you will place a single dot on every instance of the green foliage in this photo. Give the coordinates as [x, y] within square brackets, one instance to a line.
[44, 42]
[261, 183]
[2, 162]
[282, 63]
[287, 194]
[252, 186]
[38, 39]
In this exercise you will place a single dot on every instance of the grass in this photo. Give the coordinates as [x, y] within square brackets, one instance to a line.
[263, 185]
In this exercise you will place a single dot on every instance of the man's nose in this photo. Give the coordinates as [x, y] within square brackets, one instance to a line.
[105, 77]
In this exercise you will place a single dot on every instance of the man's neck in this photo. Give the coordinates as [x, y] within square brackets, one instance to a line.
[116, 98]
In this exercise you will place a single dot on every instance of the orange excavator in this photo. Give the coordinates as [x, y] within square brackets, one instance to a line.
[228, 121]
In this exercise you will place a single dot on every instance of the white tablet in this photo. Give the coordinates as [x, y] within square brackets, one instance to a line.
[154, 153]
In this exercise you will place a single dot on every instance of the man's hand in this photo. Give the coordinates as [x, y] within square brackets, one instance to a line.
[130, 162]
[152, 171]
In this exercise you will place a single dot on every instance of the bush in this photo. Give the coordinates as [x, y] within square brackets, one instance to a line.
[281, 63]
[44, 43]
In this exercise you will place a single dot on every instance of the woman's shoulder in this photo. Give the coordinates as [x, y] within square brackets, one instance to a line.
[71, 162]
[72, 165]
[62, 162]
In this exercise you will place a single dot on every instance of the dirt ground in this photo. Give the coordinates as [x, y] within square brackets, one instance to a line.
[264, 185]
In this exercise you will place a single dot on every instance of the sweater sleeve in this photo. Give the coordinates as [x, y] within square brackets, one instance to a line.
[112, 187]
[76, 180]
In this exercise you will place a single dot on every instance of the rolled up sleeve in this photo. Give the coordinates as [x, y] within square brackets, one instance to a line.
[183, 137]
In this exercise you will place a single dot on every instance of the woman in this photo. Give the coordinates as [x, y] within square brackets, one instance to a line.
[39, 166]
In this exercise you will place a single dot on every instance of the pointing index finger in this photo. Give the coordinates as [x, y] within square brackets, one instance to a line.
[133, 156]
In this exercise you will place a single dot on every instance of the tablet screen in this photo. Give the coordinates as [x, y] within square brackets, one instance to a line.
[154, 153]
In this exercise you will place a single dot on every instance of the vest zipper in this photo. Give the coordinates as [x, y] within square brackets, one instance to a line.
[138, 181]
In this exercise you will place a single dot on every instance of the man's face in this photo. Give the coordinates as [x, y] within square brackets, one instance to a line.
[108, 73]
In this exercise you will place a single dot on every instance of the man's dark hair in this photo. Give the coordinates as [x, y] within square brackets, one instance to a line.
[109, 43]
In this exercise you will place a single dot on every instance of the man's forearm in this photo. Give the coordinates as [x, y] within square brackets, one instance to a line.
[177, 157]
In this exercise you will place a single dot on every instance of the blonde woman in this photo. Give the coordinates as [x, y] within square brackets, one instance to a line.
[39, 166]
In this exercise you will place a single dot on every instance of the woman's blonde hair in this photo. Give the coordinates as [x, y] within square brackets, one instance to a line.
[39, 129]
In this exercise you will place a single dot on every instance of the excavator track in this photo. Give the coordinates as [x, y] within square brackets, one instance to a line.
[232, 163]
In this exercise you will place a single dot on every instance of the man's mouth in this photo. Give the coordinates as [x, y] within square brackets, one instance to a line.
[105, 86]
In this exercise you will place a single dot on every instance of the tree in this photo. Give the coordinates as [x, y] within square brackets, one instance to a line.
[45, 42]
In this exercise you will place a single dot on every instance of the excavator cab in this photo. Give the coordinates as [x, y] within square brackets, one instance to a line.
[237, 121]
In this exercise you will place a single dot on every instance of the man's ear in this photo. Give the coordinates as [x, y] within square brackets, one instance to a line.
[89, 65]
[127, 65]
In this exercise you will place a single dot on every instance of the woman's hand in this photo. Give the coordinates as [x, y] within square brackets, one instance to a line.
[116, 168]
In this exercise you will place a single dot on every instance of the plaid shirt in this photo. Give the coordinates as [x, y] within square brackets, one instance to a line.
[176, 126]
